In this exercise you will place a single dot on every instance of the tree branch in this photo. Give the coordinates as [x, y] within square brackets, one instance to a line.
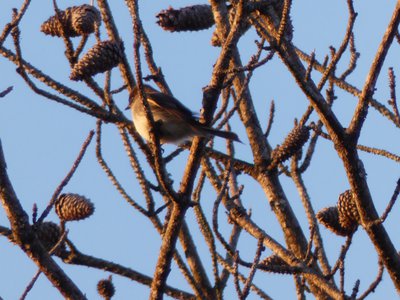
[26, 239]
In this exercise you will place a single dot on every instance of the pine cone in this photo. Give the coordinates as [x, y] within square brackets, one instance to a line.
[49, 234]
[100, 58]
[105, 288]
[329, 217]
[348, 213]
[74, 21]
[70, 207]
[293, 143]
[190, 18]
[55, 25]
[85, 18]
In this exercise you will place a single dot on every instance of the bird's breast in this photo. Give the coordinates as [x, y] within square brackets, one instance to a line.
[141, 124]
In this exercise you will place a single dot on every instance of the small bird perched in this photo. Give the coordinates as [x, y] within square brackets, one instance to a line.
[174, 122]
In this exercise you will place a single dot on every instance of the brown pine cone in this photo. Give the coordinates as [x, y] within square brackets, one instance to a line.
[55, 25]
[85, 18]
[329, 217]
[292, 143]
[49, 234]
[100, 58]
[105, 288]
[190, 18]
[348, 213]
[74, 21]
[70, 207]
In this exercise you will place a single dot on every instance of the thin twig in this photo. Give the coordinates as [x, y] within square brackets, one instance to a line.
[321, 67]
[391, 202]
[315, 234]
[367, 149]
[67, 178]
[81, 45]
[342, 255]
[311, 149]
[375, 283]
[30, 285]
[393, 98]
[159, 166]
[361, 111]
[354, 55]
[236, 275]
[310, 67]
[17, 17]
[226, 93]
[138, 170]
[300, 287]
[270, 118]
[111, 175]
[173, 154]
[233, 241]
[6, 91]
[206, 230]
[249, 280]
[75, 257]
[355, 290]
[284, 20]
[338, 55]
[53, 250]
[222, 191]
[119, 90]
[341, 281]
[230, 269]
[92, 108]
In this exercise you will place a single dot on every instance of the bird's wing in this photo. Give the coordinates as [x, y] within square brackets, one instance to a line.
[162, 101]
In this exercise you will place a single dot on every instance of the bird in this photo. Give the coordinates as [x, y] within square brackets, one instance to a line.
[174, 122]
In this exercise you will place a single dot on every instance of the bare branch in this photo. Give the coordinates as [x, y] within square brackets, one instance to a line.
[25, 237]
[17, 17]
[391, 202]
[247, 285]
[354, 55]
[253, 287]
[111, 175]
[393, 98]
[6, 91]
[67, 178]
[36, 276]
[375, 283]
[369, 86]
[284, 19]
[77, 258]
[270, 118]
[342, 255]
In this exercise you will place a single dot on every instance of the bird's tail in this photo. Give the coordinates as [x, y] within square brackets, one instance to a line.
[224, 134]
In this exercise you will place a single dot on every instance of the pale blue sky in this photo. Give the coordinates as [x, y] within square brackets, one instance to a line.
[41, 139]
